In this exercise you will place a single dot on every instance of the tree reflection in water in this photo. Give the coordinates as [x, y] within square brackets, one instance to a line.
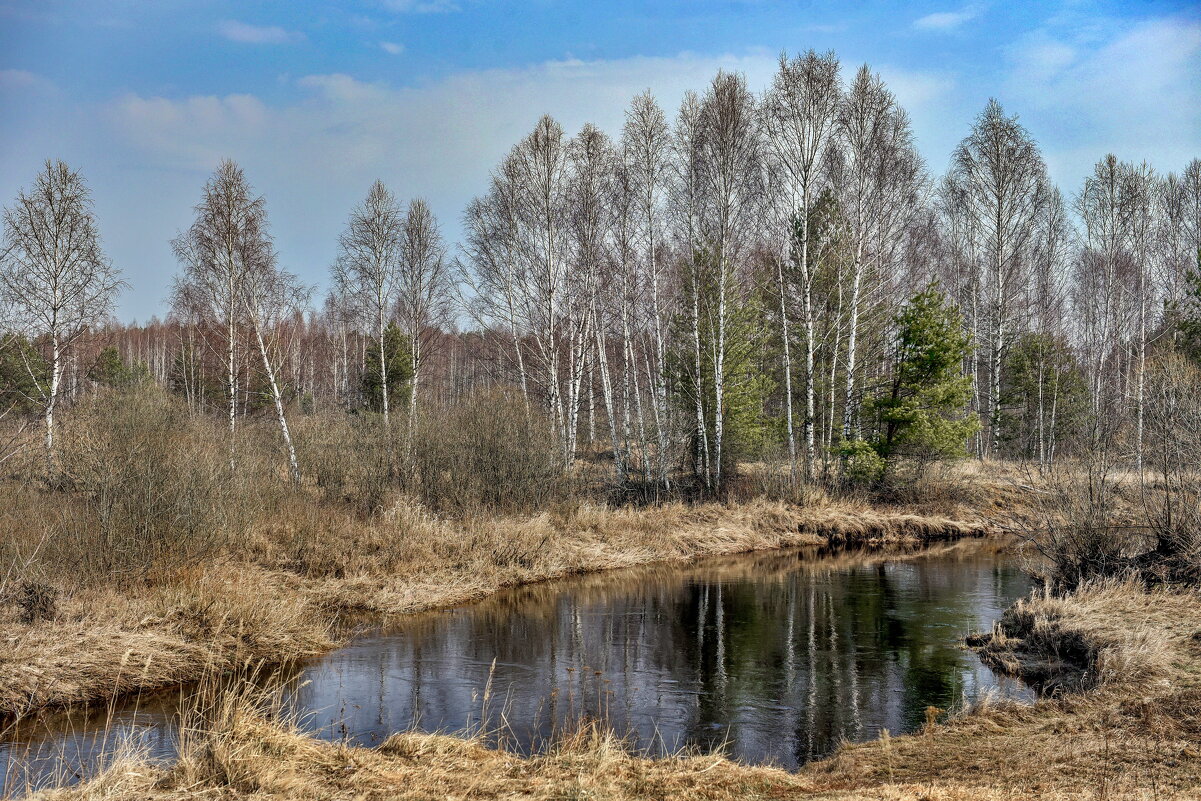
[777, 657]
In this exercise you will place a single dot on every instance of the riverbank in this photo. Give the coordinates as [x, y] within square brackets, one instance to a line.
[285, 590]
[1129, 731]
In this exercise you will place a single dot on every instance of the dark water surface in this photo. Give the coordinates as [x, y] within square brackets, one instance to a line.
[778, 657]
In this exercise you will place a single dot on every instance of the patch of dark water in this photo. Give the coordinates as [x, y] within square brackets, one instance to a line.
[775, 657]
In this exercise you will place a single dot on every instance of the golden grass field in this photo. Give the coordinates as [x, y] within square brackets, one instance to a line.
[1132, 730]
[1125, 722]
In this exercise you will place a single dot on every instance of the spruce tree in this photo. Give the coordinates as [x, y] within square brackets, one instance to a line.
[23, 371]
[1044, 397]
[923, 417]
[110, 371]
[399, 366]
[1185, 316]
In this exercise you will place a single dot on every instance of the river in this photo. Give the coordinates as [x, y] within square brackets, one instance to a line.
[775, 657]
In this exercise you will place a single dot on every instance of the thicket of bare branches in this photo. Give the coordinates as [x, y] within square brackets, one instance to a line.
[717, 285]
[55, 281]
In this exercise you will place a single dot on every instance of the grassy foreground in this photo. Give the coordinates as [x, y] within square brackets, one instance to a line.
[1131, 732]
[282, 590]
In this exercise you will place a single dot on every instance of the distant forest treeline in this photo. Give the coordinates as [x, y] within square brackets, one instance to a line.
[773, 275]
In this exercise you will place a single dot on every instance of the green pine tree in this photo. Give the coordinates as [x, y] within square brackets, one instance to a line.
[747, 429]
[399, 360]
[22, 370]
[923, 417]
[110, 371]
[1045, 396]
[1185, 316]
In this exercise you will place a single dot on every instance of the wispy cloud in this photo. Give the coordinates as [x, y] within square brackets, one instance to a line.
[392, 48]
[257, 34]
[1133, 93]
[454, 129]
[421, 6]
[947, 20]
[24, 80]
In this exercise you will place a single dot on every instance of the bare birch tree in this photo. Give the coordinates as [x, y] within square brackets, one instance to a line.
[646, 149]
[1103, 285]
[800, 115]
[1191, 215]
[627, 290]
[540, 171]
[491, 272]
[367, 270]
[269, 295]
[961, 273]
[424, 290]
[338, 316]
[592, 161]
[1138, 188]
[230, 227]
[880, 178]
[687, 202]
[1177, 256]
[1004, 184]
[730, 167]
[54, 277]
[1046, 298]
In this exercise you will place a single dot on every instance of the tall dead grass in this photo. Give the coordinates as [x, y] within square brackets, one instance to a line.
[155, 559]
[1110, 632]
[233, 745]
[1132, 736]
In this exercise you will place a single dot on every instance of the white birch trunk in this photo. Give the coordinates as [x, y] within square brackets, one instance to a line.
[293, 465]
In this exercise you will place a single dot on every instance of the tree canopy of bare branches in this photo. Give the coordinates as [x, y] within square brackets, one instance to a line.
[55, 280]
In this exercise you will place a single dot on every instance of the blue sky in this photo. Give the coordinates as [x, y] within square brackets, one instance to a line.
[316, 100]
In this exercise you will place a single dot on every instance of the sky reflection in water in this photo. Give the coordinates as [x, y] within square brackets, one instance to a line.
[777, 656]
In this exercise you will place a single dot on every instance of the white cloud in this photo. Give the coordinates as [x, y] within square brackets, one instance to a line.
[314, 155]
[421, 6]
[947, 20]
[257, 34]
[392, 48]
[24, 80]
[216, 125]
[1134, 93]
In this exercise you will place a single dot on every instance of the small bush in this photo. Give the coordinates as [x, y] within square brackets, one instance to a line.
[1079, 541]
[36, 601]
[352, 458]
[773, 480]
[485, 453]
[862, 464]
[145, 486]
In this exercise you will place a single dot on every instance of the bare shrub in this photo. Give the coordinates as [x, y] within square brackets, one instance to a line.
[1171, 494]
[774, 480]
[144, 487]
[37, 601]
[1082, 538]
[352, 458]
[485, 453]
[1102, 523]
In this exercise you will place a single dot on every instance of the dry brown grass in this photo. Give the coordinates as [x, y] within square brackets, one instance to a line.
[255, 758]
[1110, 632]
[111, 641]
[1134, 735]
[278, 592]
[1133, 732]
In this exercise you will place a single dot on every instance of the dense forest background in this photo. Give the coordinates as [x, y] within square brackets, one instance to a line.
[773, 277]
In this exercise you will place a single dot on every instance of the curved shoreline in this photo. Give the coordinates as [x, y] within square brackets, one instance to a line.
[253, 615]
[1132, 735]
